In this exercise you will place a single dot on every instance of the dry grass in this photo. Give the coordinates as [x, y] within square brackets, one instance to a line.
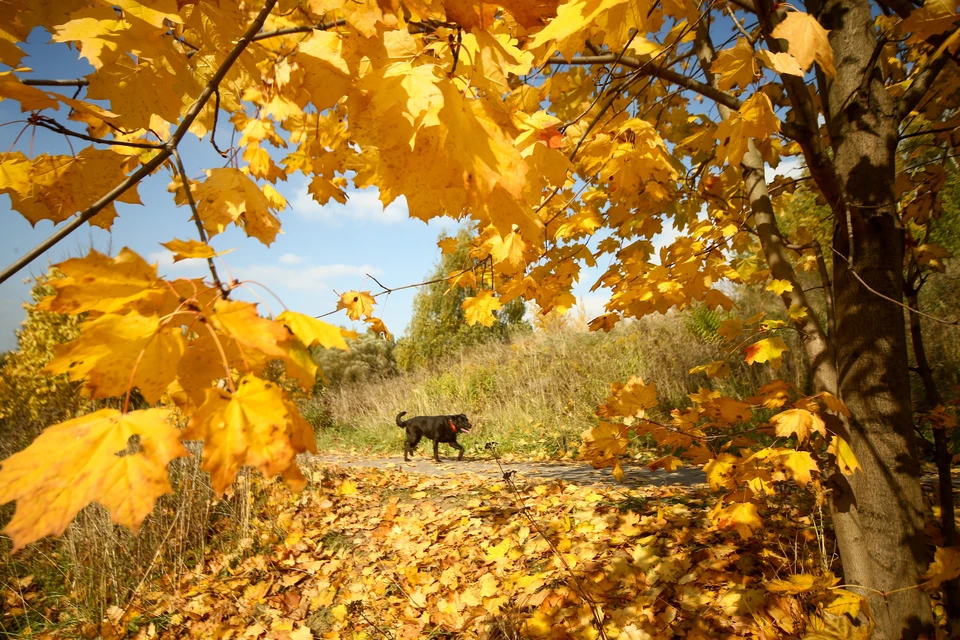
[536, 395]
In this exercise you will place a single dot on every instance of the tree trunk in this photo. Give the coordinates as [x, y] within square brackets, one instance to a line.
[876, 511]
[932, 398]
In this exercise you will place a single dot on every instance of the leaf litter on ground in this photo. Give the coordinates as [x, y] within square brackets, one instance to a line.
[386, 554]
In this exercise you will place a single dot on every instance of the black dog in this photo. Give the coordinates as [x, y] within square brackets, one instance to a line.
[437, 428]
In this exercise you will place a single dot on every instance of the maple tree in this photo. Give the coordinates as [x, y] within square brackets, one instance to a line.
[568, 133]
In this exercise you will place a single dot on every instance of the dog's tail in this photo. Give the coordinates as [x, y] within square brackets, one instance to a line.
[401, 423]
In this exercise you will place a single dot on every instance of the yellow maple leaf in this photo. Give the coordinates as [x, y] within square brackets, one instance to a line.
[188, 249]
[311, 331]
[807, 40]
[359, 304]
[754, 121]
[480, 308]
[118, 460]
[780, 287]
[256, 426]
[782, 63]
[843, 454]
[767, 350]
[735, 66]
[945, 566]
[720, 472]
[798, 422]
[793, 585]
[376, 325]
[100, 283]
[630, 399]
[229, 195]
[836, 628]
[741, 516]
[447, 246]
[800, 464]
[507, 251]
[603, 443]
[114, 352]
[844, 603]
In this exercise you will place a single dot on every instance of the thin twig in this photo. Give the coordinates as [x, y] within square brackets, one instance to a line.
[196, 218]
[447, 278]
[289, 31]
[56, 127]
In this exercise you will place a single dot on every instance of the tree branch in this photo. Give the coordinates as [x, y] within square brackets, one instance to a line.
[40, 82]
[289, 31]
[56, 127]
[924, 79]
[157, 160]
[646, 69]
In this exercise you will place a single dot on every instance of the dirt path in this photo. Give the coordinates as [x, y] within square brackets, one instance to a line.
[573, 472]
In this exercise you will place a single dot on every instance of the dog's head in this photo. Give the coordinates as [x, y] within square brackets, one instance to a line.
[463, 424]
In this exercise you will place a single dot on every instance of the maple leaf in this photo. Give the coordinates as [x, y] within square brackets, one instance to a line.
[359, 304]
[781, 62]
[376, 325]
[507, 251]
[480, 308]
[447, 246]
[798, 422]
[228, 195]
[311, 331]
[843, 454]
[114, 352]
[755, 120]
[256, 426]
[767, 350]
[603, 443]
[808, 41]
[188, 249]
[735, 66]
[800, 464]
[795, 584]
[630, 399]
[945, 566]
[100, 283]
[57, 187]
[780, 287]
[118, 460]
[742, 516]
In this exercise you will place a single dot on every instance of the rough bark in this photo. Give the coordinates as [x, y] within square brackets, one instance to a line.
[877, 511]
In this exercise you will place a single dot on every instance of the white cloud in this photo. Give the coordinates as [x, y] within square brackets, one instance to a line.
[290, 258]
[788, 167]
[191, 267]
[362, 205]
[313, 279]
[594, 304]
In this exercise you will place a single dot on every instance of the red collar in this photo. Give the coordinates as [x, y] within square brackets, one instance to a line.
[453, 426]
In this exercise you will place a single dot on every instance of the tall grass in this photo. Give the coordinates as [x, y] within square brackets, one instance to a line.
[537, 394]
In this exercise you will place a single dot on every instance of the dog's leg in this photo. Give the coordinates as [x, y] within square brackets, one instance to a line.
[409, 445]
[436, 451]
[459, 447]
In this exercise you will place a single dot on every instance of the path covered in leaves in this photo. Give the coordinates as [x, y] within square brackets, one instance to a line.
[382, 553]
[637, 476]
